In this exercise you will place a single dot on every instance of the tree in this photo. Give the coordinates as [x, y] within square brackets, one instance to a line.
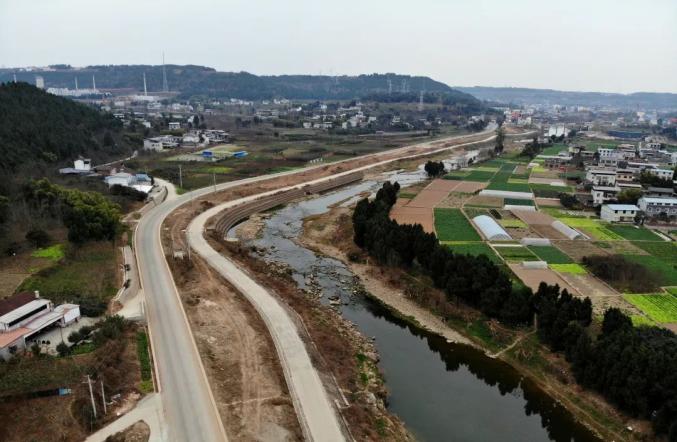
[108, 140]
[500, 137]
[63, 349]
[4, 208]
[629, 196]
[434, 169]
[38, 237]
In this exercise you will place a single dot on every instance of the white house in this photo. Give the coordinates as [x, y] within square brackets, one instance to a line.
[601, 177]
[154, 144]
[174, 125]
[618, 213]
[602, 194]
[654, 206]
[120, 178]
[664, 174]
[25, 315]
[83, 165]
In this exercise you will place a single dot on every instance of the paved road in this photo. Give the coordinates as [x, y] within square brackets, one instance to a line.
[189, 406]
[149, 410]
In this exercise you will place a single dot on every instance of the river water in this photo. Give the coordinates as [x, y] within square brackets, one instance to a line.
[442, 391]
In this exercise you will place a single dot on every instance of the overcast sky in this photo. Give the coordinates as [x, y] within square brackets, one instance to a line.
[590, 45]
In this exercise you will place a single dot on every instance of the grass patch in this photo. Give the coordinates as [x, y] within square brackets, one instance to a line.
[33, 374]
[660, 307]
[573, 268]
[406, 195]
[220, 170]
[54, 253]
[86, 276]
[452, 225]
[505, 185]
[144, 361]
[516, 253]
[634, 233]
[551, 254]
[639, 321]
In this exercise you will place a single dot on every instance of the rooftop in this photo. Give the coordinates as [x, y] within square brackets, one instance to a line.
[622, 207]
[657, 200]
[15, 301]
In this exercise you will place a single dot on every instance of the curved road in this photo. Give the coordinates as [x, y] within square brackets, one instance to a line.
[189, 406]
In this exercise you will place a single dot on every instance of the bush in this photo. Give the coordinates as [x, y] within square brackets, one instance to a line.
[38, 238]
[622, 274]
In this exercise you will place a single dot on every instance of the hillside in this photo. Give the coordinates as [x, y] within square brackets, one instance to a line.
[193, 80]
[638, 100]
[39, 129]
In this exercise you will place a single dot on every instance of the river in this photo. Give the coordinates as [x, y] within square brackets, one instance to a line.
[442, 391]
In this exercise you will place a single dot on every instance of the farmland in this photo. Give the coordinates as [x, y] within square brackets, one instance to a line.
[634, 234]
[573, 268]
[551, 254]
[474, 249]
[452, 225]
[594, 228]
[660, 307]
[516, 253]
[666, 271]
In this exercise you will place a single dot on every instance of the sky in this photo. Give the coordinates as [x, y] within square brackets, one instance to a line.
[582, 45]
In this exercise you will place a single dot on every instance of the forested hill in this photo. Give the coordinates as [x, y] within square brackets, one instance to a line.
[193, 80]
[37, 128]
[517, 95]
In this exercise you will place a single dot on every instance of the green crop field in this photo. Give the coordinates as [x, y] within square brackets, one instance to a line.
[516, 223]
[554, 149]
[575, 269]
[660, 307]
[516, 202]
[551, 254]
[667, 271]
[504, 185]
[516, 253]
[666, 251]
[634, 233]
[479, 176]
[216, 169]
[595, 228]
[639, 321]
[473, 248]
[452, 225]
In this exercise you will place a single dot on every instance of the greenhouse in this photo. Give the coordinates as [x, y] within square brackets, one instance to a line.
[490, 228]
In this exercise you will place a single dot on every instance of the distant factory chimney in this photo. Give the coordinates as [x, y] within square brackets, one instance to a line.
[39, 82]
[76, 83]
[165, 86]
[93, 82]
[145, 89]
[15, 77]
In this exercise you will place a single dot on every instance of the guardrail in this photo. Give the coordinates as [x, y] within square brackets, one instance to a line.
[238, 213]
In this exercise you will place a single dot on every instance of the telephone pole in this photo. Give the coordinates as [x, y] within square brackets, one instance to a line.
[103, 398]
[91, 395]
[180, 178]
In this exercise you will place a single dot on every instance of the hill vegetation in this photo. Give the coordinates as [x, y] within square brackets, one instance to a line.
[39, 129]
[191, 80]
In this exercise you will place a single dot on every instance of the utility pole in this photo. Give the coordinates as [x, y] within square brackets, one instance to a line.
[214, 178]
[91, 395]
[103, 398]
[180, 178]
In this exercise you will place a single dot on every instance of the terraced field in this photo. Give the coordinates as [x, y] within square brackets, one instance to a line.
[473, 248]
[660, 307]
[516, 253]
[634, 233]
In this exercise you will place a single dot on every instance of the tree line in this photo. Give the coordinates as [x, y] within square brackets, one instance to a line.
[89, 216]
[634, 368]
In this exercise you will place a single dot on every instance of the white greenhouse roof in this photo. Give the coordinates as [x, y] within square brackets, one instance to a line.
[490, 228]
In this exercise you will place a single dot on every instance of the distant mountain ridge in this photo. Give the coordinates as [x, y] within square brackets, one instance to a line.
[192, 80]
[517, 95]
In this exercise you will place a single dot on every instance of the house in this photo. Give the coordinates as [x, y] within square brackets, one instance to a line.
[664, 174]
[190, 140]
[174, 125]
[653, 206]
[120, 178]
[625, 175]
[619, 213]
[25, 315]
[154, 144]
[83, 164]
[664, 192]
[601, 177]
[555, 161]
[602, 194]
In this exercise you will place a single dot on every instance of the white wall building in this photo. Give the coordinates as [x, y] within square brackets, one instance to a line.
[655, 206]
[619, 213]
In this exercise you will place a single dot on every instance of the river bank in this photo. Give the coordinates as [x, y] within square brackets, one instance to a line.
[330, 234]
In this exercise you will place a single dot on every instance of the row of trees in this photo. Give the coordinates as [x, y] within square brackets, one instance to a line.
[632, 367]
[89, 216]
[474, 279]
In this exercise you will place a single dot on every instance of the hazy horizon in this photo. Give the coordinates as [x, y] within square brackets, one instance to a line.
[604, 46]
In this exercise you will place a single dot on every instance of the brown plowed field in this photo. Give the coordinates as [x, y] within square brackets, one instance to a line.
[534, 218]
[533, 277]
[432, 195]
[414, 215]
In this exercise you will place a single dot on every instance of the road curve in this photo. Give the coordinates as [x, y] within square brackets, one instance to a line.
[316, 414]
[189, 406]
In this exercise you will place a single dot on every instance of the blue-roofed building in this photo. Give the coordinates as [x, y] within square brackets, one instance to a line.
[240, 154]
